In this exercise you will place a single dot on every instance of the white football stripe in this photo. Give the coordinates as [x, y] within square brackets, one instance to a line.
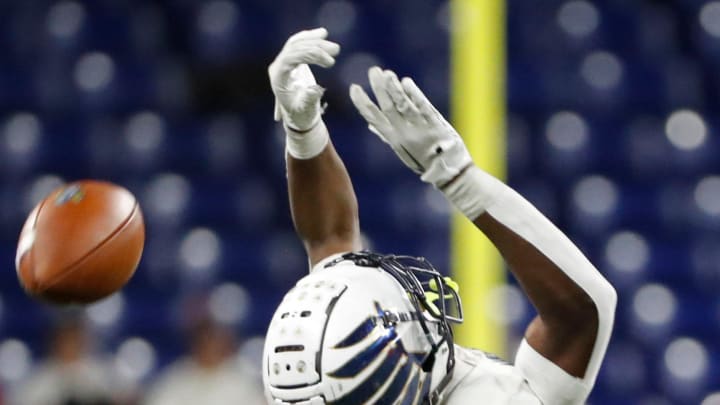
[27, 237]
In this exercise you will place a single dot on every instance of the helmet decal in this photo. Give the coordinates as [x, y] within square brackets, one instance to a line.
[398, 371]
[419, 385]
[384, 318]
[405, 385]
[371, 353]
[358, 334]
[425, 287]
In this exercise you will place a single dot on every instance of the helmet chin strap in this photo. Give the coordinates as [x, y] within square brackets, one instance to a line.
[405, 275]
[436, 396]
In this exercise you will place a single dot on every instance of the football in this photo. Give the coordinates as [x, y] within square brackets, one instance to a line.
[81, 243]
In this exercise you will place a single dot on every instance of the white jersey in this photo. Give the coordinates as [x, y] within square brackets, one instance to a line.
[478, 375]
[483, 378]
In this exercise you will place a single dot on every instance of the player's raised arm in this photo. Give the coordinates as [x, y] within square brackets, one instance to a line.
[576, 305]
[322, 200]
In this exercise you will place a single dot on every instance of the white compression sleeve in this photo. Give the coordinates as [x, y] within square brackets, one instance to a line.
[475, 192]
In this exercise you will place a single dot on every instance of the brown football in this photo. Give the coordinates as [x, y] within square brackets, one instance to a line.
[81, 243]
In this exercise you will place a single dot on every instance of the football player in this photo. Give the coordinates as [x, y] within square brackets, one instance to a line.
[366, 328]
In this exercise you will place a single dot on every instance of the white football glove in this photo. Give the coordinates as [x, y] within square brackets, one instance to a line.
[415, 130]
[297, 94]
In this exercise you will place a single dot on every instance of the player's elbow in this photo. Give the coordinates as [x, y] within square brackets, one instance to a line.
[604, 298]
[580, 314]
[595, 309]
[584, 310]
[606, 302]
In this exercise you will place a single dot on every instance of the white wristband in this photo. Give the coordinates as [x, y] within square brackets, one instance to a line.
[473, 192]
[306, 145]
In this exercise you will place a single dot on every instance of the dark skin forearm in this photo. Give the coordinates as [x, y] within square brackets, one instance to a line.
[323, 204]
[564, 331]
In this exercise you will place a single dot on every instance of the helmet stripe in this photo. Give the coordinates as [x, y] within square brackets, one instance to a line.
[376, 380]
[399, 382]
[424, 390]
[358, 363]
[361, 332]
[409, 393]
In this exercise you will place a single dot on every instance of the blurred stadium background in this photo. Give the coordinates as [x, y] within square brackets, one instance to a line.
[611, 132]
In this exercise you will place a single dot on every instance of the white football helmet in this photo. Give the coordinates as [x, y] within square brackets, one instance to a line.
[364, 329]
